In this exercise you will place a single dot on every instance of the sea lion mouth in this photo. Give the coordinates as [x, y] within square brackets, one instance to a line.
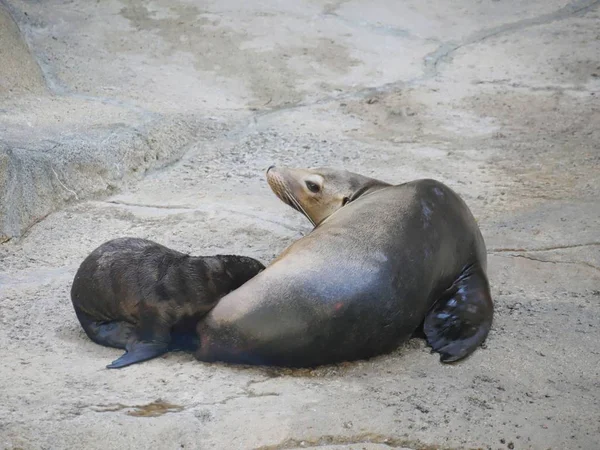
[281, 189]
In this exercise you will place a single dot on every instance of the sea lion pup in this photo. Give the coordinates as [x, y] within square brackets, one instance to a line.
[382, 262]
[145, 298]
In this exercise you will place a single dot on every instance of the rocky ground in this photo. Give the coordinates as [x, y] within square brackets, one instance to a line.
[158, 119]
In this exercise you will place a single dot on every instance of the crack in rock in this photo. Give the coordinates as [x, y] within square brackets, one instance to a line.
[140, 205]
[542, 249]
[431, 61]
[186, 209]
[363, 438]
[531, 258]
[545, 88]
[247, 393]
[237, 397]
[445, 51]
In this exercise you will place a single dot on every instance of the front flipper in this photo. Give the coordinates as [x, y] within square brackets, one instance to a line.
[108, 333]
[460, 320]
[139, 351]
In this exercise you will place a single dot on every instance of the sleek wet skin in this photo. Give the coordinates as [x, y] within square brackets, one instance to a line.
[140, 296]
[382, 262]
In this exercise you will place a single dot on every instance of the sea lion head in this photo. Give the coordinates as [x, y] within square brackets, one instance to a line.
[239, 269]
[318, 192]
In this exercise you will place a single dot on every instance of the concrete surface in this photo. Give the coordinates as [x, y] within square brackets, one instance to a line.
[58, 143]
[499, 99]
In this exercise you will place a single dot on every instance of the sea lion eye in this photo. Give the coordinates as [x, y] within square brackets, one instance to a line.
[312, 187]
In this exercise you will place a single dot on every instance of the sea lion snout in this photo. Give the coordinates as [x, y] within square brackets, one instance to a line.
[277, 184]
[289, 186]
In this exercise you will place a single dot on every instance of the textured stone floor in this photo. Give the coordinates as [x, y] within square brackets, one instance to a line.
[157, 119]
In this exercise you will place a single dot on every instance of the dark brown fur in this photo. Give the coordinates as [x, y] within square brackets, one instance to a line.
[140, 296]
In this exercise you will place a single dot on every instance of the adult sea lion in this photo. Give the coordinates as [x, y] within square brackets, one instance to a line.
[381, 262]
[140, 296]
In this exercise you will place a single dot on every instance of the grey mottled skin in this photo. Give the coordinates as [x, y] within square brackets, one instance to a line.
[140, 296]
[389, 260]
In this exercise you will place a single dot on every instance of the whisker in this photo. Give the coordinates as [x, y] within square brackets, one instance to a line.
[300, 208]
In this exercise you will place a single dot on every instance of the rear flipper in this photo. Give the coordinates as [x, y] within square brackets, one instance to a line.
[110, 334]
[139, 351]
[460, 320]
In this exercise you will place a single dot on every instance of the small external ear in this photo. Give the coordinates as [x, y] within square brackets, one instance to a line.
[345, 200]
[364, 188]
